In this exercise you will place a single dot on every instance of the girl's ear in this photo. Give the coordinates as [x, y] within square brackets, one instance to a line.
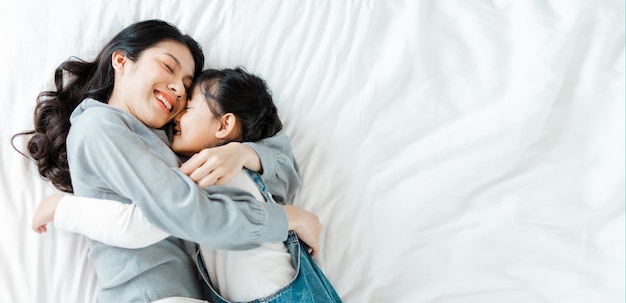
[228, 127]
[118, 60]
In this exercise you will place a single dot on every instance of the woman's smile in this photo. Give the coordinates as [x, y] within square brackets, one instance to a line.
[166, 102]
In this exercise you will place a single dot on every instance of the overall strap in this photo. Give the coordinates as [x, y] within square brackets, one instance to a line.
[259, 183]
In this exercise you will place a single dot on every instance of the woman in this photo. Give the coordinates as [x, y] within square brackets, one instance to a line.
[118, 104]
[226, 105]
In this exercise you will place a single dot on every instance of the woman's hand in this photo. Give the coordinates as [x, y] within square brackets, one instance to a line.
[306, 225]
[217, 165]
[45, 213]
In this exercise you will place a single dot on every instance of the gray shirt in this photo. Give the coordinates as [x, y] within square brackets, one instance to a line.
[112, 155]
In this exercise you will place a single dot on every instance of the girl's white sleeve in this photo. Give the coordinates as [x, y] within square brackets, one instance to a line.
[110, 222]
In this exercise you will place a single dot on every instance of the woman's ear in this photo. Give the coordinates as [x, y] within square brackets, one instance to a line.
[228, 127]
[118, 60]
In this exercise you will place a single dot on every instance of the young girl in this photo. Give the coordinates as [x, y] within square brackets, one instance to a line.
[226, 105]
[99, 135]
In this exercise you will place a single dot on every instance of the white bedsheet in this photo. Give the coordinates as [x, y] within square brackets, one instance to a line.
[456, 151]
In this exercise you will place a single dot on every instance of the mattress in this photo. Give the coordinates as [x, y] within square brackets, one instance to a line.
[455, 151]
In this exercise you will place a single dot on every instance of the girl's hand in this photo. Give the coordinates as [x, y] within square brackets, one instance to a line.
[45, 213]
[217, 165]
[306, 225]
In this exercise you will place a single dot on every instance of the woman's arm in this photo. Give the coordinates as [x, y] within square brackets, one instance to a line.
[280, 174]
[271, 157]
[110, 222]
[280, 171]
[107, 155]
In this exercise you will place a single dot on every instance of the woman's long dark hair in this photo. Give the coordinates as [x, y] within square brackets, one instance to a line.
[245, 95]
[75, 80]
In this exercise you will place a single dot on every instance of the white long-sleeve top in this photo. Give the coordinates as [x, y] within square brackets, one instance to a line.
[236, 275]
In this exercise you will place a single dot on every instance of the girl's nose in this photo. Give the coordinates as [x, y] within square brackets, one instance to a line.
[177, 117]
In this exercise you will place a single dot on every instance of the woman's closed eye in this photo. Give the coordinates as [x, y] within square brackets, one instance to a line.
[168, 68]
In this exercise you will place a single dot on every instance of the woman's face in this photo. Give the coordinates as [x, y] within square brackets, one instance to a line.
[196, 127]
[153, 88]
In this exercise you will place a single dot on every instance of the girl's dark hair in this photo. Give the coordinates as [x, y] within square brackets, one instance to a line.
[245, 95]
[76, 79]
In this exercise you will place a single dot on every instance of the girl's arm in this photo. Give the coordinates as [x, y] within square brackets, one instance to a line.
[110, 222]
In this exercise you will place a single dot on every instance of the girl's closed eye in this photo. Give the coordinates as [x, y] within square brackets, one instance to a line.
[187, 83]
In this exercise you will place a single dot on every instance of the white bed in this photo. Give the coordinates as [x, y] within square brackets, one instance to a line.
[456, 151]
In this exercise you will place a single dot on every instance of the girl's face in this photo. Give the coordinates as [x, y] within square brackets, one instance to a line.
[196, 127]
[153, 88]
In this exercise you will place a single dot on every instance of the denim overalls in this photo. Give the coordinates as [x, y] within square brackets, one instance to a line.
[309, 283]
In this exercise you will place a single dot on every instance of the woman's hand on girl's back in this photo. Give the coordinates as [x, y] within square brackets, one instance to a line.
[306, 225]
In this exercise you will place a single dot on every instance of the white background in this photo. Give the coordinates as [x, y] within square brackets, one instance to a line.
[456, 151]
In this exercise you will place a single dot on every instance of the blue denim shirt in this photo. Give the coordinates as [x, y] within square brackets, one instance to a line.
[112, 155]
